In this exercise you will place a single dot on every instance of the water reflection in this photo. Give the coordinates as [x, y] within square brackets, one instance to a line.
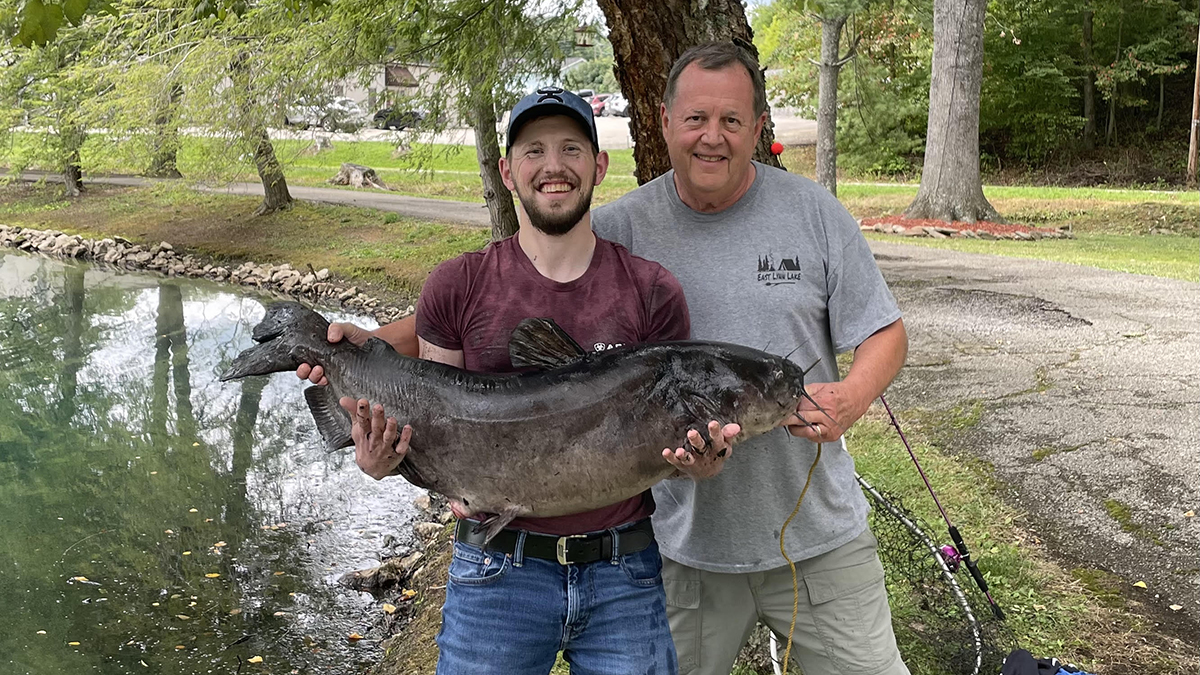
[162, 520]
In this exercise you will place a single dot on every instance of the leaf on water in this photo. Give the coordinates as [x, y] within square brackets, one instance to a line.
[208, 520]
[153, 473]
[219, 544]
[84, 579]
[195, 445]
[212, 575]
[389, 608]
[408, 593]
[168, 531]
[187, 553]
[354, 637]
[235, 611]
[1140, 584]
[254, 659]
[180, 647]
[73, 644]
[154, 604]
[185, 617]
[144, 664]
[279, 614]
[1176, 608]
[192, 604]
[193, 510]
[279, 574]
[174, 595]
[41, 632]
[1190, 514]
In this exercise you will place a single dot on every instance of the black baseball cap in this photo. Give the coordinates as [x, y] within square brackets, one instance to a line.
[551, 101]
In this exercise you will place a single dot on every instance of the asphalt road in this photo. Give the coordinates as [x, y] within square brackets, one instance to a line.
[1090, 387]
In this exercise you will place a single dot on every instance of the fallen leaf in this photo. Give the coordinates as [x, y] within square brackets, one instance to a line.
[279, 574]
[79, 579]
[144, 665]
[185, 617]
[153, 473]
[155, 604]
[408, 593]
[196, 445]
[1190, 514]
[192, 604]
[208, 520]
[254, 659]
[279, 614]
[168, 531]
[389, 608]
[219, 544]
[353, 637]
[175, 595]
[180, 647]
[193, 510]
[73, 644]
[1176, 608]
[212, 575]
[1140, 584]
[187, 553]
[41, 632]
[234, 612]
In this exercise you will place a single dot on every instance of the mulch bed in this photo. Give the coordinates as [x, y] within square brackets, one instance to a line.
[940, 229]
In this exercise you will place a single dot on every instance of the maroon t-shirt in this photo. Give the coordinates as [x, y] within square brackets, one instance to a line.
[474, 302]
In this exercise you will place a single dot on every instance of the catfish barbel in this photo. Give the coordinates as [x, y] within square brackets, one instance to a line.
[584, 431]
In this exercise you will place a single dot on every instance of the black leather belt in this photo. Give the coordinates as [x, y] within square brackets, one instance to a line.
[574, 549]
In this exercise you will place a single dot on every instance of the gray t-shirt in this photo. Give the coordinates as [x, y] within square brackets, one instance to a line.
[786, 270]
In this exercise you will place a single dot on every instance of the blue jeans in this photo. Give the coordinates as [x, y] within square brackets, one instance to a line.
[510, 615]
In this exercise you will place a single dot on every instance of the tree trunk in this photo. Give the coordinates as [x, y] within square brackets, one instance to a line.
[1110, 132]
[72, 140]
[647, 37]
[950, 185]
[275, 190]
[1161, 88]
[166, 139]
[830, 66]
[481, 114]
[1089, 82]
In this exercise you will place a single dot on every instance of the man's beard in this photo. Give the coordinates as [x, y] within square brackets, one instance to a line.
[556, 224]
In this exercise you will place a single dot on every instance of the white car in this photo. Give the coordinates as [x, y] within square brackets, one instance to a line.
[340, 114]
[617, 105]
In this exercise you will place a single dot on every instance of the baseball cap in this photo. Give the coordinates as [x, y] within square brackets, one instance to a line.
[551, 101]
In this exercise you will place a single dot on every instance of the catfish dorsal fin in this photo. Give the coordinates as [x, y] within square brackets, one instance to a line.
[541, 343]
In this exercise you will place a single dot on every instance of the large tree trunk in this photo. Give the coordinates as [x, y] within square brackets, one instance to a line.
[1089, 82]
[481, 112]
[275, 190]
[647, 37]
[166, 138]
[950, 185]
[827, 94]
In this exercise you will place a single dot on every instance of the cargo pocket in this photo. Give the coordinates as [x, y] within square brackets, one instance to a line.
[682, 586]
[850, 611]
[471, 566]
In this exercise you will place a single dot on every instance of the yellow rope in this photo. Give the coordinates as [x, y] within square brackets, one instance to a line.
[787, 654]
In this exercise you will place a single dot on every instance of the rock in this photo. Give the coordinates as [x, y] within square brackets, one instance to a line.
[446, 516]
[913, 232]
[422, 502]
[934, 232]
[898, 229]
[984, 234]
[427, 531]
[393, 573]
[323, 274]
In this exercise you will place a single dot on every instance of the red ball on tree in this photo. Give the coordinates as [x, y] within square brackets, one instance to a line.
[777, 148]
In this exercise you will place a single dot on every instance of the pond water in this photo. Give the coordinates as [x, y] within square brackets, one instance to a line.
[155, 520]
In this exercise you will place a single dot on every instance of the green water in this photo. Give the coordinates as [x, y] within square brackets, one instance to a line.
[129, 474]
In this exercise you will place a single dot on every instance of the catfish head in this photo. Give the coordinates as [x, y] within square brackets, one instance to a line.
[732, 383]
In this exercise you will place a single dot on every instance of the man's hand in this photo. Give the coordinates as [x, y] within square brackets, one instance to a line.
[839, 410]
[337, 332]
[699, 462]
[376, 449]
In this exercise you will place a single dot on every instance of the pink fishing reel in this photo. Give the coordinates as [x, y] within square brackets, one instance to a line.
[951, 556]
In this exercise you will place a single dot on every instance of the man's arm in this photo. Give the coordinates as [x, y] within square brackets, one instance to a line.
[876, 362]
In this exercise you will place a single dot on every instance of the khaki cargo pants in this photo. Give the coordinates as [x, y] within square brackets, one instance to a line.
[843, 627]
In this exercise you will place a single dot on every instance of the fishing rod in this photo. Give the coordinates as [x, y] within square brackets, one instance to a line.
[958, 553]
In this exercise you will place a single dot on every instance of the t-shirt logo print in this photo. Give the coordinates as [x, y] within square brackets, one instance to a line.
[774, 271]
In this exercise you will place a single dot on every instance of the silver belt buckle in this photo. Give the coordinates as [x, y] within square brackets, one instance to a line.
[561, 548]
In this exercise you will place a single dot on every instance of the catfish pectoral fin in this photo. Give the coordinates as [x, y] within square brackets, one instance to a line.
[498, 522]
[263, 359]
[331, 419]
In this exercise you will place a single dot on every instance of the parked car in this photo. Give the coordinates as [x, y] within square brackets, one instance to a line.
[598, 102]
[339, 114]
[585, 94]
[391, 118]
[617, 105]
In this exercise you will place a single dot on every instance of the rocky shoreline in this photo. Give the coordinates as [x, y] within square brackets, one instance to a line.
[316, 286]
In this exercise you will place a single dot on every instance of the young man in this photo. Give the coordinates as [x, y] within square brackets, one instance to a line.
[512, 606]
[767, 257]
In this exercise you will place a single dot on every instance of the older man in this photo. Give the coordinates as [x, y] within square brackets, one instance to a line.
[766, 258]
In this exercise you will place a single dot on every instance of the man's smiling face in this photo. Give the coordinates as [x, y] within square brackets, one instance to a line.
[711, 130]
[553, 168]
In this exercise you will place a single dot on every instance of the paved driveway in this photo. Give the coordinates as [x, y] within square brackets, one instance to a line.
[1090, 385]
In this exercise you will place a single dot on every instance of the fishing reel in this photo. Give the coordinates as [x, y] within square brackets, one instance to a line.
[951, 557]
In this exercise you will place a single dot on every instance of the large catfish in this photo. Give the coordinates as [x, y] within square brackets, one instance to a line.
[584, 431]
